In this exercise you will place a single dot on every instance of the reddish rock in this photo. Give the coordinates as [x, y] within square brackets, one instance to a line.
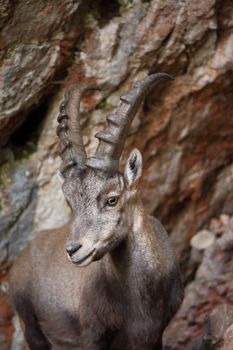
[217, 332]
[36, 42]
[6, 315]
[212, 286]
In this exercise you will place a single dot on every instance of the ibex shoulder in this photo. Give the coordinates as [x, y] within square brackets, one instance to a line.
[35, 251]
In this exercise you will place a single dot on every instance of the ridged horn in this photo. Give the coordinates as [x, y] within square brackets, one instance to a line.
[71, 148]
[112, 138]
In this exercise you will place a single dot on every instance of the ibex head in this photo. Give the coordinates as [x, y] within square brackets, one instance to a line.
[102, 199]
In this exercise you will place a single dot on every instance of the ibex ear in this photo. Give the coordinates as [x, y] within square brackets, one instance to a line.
[133, 169]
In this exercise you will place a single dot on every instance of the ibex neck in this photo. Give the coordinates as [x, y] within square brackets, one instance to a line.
[137, 254]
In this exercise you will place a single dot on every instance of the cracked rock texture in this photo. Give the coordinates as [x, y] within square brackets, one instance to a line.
[212, 285]
[184, 129]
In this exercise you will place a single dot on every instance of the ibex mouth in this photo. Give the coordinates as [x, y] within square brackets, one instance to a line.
[86, 260]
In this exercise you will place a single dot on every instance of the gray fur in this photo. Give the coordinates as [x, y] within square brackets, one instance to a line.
[118, 285]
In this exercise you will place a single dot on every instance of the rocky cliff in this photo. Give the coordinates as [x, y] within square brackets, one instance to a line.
[184, 129]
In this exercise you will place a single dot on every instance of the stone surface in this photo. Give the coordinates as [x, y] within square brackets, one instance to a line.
[217, 333]
[17, 211]
[6, 313]
[32, 32]
[211, 287]
[202, 240]
[184, 129]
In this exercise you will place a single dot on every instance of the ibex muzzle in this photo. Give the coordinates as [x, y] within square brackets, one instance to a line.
[131, 285]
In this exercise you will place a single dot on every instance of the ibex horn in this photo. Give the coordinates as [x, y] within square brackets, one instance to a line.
[71, 147]
[112, 138]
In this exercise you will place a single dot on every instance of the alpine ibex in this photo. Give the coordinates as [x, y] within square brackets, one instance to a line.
[130, 286]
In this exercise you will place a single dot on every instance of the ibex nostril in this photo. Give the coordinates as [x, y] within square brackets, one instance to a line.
[73, 249]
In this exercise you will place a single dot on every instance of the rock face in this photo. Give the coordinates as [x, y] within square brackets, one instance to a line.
[212, 285]
[31, 32]
[218, 325]
[184, 129]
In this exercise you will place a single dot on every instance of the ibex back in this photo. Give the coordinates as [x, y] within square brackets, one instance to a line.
[130, 285]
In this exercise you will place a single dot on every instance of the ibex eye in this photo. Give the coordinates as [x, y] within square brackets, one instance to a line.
[112, 201]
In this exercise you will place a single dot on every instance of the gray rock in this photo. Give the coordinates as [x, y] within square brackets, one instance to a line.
[17, 213]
